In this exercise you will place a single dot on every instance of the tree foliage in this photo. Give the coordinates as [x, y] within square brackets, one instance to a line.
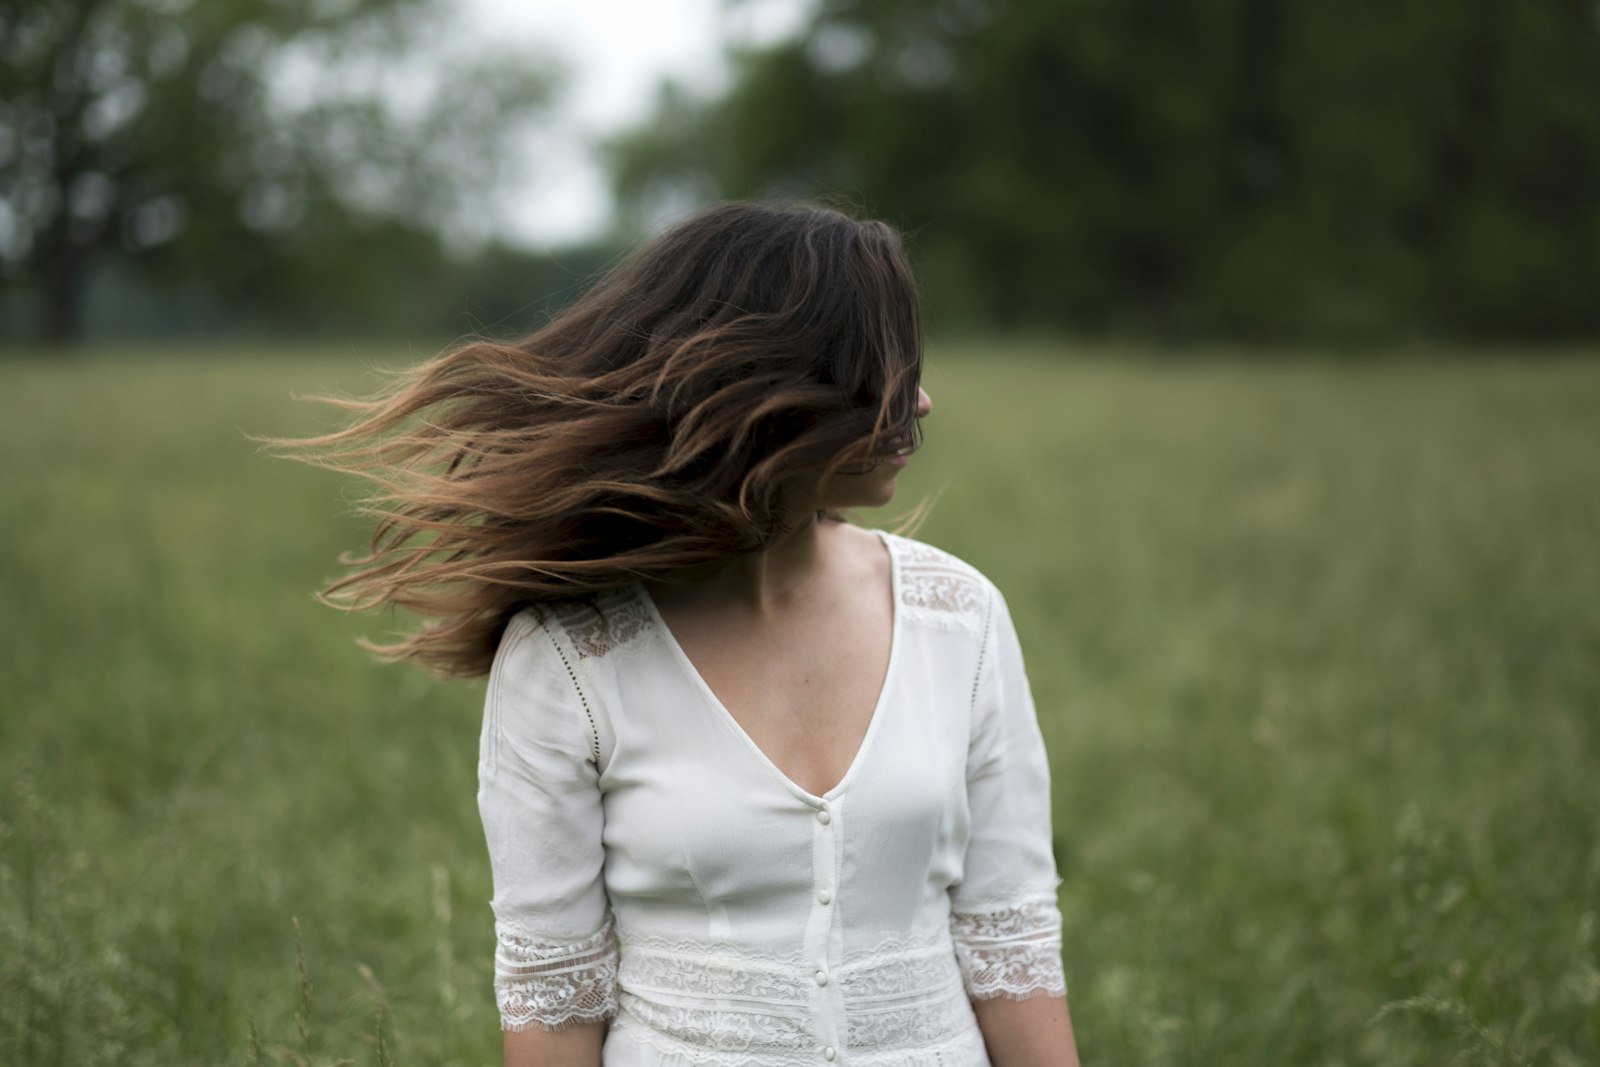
[1187, 168]
[251, 146]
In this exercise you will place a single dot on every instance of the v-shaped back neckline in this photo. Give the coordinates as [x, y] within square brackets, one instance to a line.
[721, 711]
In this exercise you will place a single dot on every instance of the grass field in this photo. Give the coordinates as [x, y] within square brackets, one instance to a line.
[1316, 647]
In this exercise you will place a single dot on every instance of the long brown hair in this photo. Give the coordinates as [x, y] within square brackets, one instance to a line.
[664, 419]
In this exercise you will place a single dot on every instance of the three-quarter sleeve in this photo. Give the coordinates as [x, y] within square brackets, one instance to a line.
[1005, 919]
[539, 798]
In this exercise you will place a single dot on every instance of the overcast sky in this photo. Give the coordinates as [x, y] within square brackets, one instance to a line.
[617, 52]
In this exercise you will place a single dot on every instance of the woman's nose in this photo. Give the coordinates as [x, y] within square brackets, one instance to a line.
[924, 403]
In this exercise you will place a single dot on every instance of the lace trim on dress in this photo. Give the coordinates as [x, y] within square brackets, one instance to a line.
[554, 984]
[922, 1024]
[900, 967]
[718, 1003]
[713, 969]
[1010, 949]
[604, 622]
[916, 1001]
[940, 590]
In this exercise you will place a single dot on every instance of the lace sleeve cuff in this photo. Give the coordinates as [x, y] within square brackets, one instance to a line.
[552, 985]
[1010, 949]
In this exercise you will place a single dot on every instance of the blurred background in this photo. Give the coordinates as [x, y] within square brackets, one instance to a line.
[1205, 170]
[1262, 349]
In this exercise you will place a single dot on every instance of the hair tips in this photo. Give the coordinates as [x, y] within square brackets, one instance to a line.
[666, 418]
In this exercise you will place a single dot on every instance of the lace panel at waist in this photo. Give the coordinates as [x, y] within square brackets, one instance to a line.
[707, 997]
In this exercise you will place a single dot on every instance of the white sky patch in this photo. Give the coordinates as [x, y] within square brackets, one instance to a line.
[617, 52]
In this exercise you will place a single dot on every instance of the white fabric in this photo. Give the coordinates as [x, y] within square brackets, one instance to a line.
[652, 867]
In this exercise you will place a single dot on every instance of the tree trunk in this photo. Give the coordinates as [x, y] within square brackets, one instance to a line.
[64, 276]
[1257, 160]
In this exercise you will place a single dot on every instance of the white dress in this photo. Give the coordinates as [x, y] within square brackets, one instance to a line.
[652, 867]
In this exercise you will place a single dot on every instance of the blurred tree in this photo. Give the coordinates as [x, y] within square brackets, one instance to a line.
[1188, 168]
[274, 150]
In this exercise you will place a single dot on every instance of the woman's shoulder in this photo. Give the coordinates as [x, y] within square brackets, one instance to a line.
[587, 626]
[940, 588]
[914, 552]
[545, 661]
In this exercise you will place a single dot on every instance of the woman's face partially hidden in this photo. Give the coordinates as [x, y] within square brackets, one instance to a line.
[874, 488]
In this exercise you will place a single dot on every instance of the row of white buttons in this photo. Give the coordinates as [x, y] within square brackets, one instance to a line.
[824, 897]
[824, 818]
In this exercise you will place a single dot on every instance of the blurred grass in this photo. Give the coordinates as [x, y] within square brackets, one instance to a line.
[1316, 646]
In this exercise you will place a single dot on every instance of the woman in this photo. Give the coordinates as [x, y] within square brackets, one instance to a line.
[759, 786]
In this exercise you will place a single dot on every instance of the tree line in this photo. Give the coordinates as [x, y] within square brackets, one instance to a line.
[242, 165]
[1185, 169]
[1172, 169]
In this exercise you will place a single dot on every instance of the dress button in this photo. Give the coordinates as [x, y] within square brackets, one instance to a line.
[823, 817]
[824, 897]
[822, 977]
[828, 1053]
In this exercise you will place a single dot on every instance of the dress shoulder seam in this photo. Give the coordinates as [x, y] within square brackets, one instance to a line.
[532, 623]
[984, 658]
[569, 664]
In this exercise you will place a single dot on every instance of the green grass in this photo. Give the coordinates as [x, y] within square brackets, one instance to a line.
[1316, 646]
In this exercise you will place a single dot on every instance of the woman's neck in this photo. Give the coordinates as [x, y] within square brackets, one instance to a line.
[761, 583]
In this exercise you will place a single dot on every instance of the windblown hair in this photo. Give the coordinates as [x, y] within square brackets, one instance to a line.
[673, 415]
